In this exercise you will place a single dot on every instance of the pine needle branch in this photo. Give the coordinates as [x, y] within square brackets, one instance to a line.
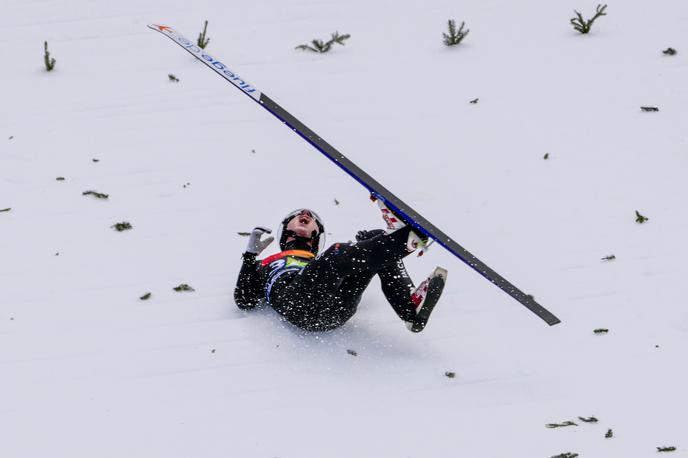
[454, 37]
[583, 26]
[49, 62]
[202, 41]
[321, 46]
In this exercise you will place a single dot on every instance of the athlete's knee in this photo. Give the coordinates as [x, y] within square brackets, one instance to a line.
[341, 249]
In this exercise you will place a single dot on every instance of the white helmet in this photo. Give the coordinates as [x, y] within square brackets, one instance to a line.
[318, 238]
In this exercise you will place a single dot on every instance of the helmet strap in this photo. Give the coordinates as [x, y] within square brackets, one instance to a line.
[299, 242]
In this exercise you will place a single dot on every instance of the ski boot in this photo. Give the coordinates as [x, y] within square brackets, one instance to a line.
[425, 298]
[394, 222]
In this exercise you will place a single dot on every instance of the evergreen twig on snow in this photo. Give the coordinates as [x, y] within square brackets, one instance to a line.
[322, 47]
[560, 425]
[123, 226]
[96, 194]
[454, 37]
[183, 287]
[202, 41]
[583, 26]
[49, 61]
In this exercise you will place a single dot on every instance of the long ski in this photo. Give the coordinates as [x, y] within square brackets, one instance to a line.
[376, 189]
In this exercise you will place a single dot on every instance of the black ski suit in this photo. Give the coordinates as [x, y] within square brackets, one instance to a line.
[323, 293]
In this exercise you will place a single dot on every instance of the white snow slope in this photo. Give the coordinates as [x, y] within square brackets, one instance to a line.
[87, 369]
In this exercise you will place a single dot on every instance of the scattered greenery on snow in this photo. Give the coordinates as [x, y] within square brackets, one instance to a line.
[561, 425]
[352, 352]
[145, 297]
[566, 455]
[474, 101]
[601, 331]
[96, 194]
[95, 160]
[546, 156]
[60, 178]
[640, 219]
[588, 419]
[609, 434]
[666, 449]
[321, 47]
[5, 209]
[454, 37]
[336, 202]
[583, 26]
[173, 78]
[610, 257]
[450, 374]
[123, 226]
[202, 41]
[183, 287]
[669, 52]
[49, 61]
[649, 109]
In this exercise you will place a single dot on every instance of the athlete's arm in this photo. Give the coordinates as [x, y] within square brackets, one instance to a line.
[247, 292]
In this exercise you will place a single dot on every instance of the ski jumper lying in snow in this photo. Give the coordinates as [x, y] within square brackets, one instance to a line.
[321, 293]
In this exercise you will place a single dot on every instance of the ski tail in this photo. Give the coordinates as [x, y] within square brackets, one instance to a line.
[421, 224]
[376, 189]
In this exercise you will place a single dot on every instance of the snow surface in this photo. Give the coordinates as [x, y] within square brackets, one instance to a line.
[89, 370]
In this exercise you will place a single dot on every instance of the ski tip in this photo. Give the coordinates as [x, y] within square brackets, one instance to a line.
[159, 27]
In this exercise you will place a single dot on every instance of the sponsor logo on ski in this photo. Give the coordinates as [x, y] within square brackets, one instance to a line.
[222, 68]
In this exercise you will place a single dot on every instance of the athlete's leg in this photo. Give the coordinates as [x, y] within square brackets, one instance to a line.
[396, 283]
[413, 305]
[397, 287]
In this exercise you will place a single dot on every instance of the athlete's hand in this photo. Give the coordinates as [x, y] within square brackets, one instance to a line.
[255, 244]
